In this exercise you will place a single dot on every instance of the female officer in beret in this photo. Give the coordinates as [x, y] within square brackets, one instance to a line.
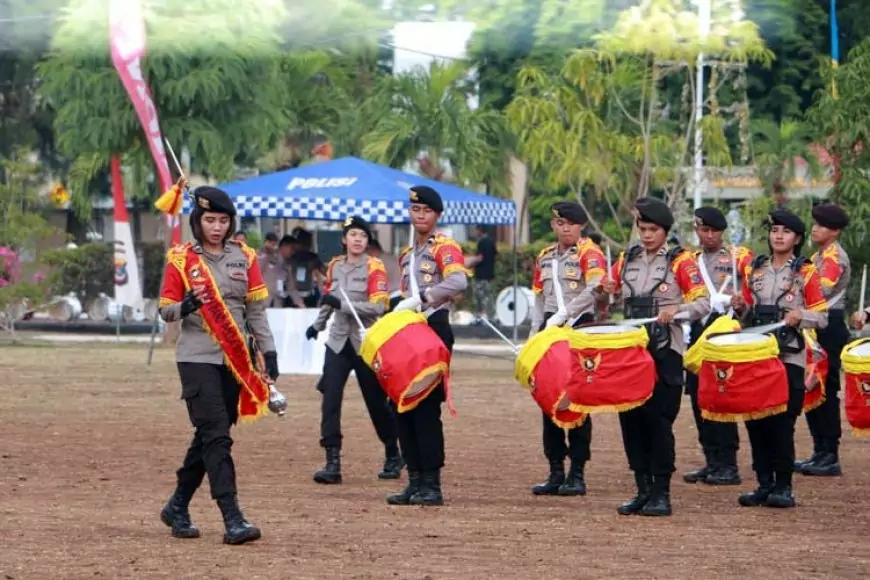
[787, 287]
[364, 280]
[215, 287]
[655, 280]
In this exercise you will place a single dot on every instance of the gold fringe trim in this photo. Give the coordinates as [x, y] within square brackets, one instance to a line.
[740, 417]
[404, 407]
[261, 293]
[621, 408]
[814, 405]
[860, 432]
[164, 302]
[568, 425]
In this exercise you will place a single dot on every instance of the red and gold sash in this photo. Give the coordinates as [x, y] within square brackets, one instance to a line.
[220, 325]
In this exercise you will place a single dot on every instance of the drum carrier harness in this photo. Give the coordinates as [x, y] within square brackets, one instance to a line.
[762, 314]
[646, 306]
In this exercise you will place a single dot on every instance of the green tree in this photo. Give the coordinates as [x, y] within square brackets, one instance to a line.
[431, 122]
[779, 148]
[22, 226]
[219, 89]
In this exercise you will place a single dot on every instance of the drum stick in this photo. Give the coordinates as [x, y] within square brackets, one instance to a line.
[863, 289]
[611, 298]
[362, 328]
[501, 335]
[174, 158]
[734, 269]
[642, 321]
[412, 270]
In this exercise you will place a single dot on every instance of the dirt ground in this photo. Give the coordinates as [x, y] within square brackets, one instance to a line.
[90, 437]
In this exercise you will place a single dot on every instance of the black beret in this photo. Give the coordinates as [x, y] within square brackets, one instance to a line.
[356, 222]
[569, 210]
[650, 209]
[213, 199]
[711, 217]
[271, 237]
[425, 195]
[831, 216]
[785, 218]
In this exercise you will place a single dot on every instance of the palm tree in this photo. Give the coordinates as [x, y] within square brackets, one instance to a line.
[779, 150]
[430, 123]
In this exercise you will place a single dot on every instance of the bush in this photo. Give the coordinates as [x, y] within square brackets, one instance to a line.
[89, 270]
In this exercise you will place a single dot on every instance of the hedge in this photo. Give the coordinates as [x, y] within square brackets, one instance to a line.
[88, 269]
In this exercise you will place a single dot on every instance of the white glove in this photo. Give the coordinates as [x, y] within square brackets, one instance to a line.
[720, 302]
[412, 303]
[557, 319]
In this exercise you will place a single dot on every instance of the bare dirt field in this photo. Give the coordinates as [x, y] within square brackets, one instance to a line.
[90, 437]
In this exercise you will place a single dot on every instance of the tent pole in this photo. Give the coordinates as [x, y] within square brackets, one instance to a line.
[516, 282]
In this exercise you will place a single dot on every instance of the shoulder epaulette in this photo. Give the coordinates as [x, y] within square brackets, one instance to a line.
[633, 252]
[674, 253]
[376, 264]
[759, 261]
[546, 251]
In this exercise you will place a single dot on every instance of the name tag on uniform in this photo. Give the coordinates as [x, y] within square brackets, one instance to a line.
[239, 275]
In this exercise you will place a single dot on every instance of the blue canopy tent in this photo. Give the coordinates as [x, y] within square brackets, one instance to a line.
[333, 190]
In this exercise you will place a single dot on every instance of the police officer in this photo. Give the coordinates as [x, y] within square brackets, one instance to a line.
[272, 266]
[656, 280]
[716, 260]
[783, 287]
[441, 277]
[581, 268]
[305, 274]
[228, 270]
[834, 268]
[364, 280]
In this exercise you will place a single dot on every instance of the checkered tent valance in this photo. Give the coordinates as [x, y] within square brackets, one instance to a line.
[496, 212]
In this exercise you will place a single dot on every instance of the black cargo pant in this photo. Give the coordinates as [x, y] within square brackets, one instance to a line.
[421, 434]
[336, 370]
[579, 438]
[824, 420]
[772, 438]
[720, 441]
[211, 393]
[648, 430]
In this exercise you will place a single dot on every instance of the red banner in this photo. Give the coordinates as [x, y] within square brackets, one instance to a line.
[127, 45]
[857, 402]
[742, 391]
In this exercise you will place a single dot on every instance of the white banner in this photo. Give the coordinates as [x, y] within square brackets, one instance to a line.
[296, 354]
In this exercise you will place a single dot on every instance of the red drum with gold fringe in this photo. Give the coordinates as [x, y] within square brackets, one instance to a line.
[616, 371]
[816, 372]
[407, 356]
[741, 378]
[856, 365]
[544, 367]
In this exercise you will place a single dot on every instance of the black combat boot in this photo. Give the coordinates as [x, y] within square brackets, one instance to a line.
[781, 496]
[701, 473]
[554, 481]
[635, 504]
[760, 494]
[404, 496]
[393, 464]
[331, 472]
[659, 503]
[827, 463]
[238, 530]
[176, 515]
[799, 466]
[429, 492]
[574, 482]
[724, 471]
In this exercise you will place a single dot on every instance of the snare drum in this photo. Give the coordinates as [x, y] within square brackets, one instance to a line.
[544, 367]
[616, 372]
[816, 372]
[741, 378]
[692, 358]
[409, 359]
[856, 365]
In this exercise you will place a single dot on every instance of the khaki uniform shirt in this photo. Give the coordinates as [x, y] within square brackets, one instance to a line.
[237, 275]
[439, 268]
[835, 272]
[581, 269]
[790, 291]
[676, 284]
[719, 265]
[365, 284]
[272, 267]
